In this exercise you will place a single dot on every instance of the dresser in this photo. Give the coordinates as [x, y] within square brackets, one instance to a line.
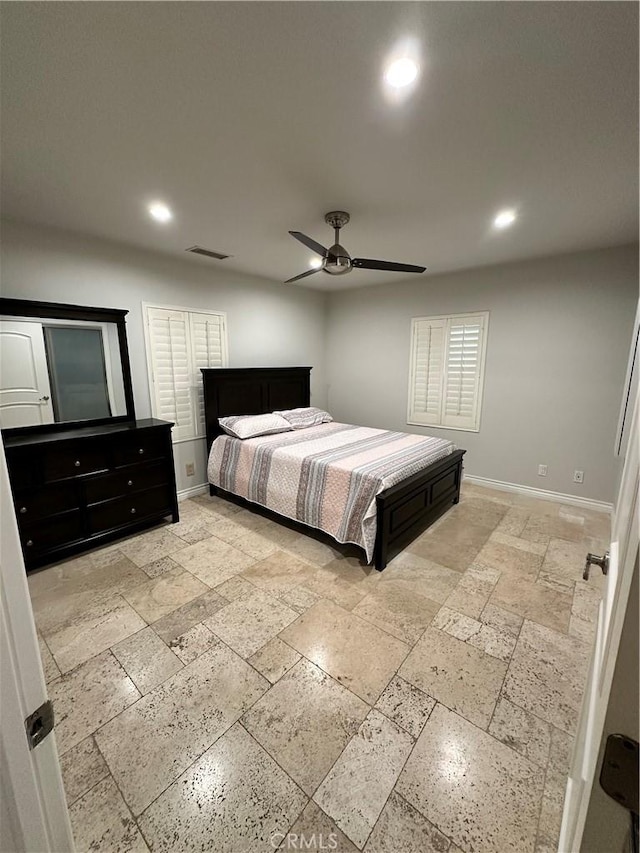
[77, 489]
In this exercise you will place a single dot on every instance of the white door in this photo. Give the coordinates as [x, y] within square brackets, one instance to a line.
[25, 393]
[34, 811]
[624, 549]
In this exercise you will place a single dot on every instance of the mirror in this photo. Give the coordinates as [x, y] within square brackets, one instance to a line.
[62, 365]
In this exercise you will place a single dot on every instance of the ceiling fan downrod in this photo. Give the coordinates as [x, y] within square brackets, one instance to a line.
[338, 261]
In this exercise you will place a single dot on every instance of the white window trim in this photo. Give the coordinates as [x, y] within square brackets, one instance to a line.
[147, 342]
[412, 370]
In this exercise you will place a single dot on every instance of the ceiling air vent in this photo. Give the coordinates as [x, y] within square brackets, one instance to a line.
[208, 253]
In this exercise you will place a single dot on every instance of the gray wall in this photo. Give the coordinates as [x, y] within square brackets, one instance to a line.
[559, 335]
[268, 324]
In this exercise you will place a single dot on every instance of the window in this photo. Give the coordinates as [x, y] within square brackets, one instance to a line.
[180, 342]
[447, 370]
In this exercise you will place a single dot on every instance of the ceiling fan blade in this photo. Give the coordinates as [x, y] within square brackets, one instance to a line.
[302, 275]
[310, 243]
[369, 264]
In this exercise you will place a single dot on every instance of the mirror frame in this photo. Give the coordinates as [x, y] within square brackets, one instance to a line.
[60, 311]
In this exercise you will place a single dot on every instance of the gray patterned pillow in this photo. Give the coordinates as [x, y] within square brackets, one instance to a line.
[251, 426]
[305, 417]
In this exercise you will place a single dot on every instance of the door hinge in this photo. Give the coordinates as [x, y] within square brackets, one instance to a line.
[619, 773]
[39, 724]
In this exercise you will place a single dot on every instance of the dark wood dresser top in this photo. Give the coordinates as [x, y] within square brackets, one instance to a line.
[83, 432]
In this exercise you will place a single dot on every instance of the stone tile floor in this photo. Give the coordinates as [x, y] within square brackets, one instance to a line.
[231, 684]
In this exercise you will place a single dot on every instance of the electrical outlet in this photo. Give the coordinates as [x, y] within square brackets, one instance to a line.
[578, 476]
[190, 468]
[542, 470]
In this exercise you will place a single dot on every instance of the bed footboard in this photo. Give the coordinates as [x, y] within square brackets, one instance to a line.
[411, 506]
[402, 511]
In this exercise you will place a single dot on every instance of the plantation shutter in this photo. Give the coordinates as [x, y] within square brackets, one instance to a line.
[464, 351]
[179, 344]
[170, 369]
[447, 366]
[428, 359]
[208, 350]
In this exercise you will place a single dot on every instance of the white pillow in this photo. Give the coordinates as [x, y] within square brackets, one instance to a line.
[251, 426]
[305, 417]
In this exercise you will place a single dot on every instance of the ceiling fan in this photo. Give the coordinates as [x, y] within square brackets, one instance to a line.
[336, 260]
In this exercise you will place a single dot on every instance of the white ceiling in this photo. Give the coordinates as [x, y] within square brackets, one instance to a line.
[251, 119]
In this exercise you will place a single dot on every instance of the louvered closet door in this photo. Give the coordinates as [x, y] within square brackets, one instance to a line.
[463, 372]
[427, 381]
[172, 379]
[208, 347]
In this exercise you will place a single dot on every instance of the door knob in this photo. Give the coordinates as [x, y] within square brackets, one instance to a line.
[44, 399]
[595, 560]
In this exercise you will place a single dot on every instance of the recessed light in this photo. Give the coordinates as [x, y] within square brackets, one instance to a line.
[160, 212]
[401, 72]
[316, 263]
[505, 218]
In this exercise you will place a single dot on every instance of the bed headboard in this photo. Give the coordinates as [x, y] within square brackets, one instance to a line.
[251, 391]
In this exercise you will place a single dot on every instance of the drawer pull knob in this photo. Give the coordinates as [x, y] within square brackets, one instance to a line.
[23, 509]
[77, 463]
[129, 482]
[141, 451]
[29, 543]
[133, 510]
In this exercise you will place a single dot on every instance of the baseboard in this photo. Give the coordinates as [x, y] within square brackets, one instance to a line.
[542, 494]
[192, 491]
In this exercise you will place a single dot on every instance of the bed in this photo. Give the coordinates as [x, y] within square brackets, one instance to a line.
[387, 521]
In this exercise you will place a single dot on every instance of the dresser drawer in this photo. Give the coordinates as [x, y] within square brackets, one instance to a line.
[51, 532]
[128, 510]
[85, 457]
[134, 479]
[45, 500]
[142, 447]
[28, 462]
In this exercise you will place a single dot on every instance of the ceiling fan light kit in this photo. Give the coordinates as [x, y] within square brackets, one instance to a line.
[336, 260]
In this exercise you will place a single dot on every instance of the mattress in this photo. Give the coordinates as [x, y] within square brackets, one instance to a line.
[325, 476]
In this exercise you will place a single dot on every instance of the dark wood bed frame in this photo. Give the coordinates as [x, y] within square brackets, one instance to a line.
[403, 511]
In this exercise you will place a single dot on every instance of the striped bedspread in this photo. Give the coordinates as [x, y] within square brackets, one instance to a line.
[325, 476]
